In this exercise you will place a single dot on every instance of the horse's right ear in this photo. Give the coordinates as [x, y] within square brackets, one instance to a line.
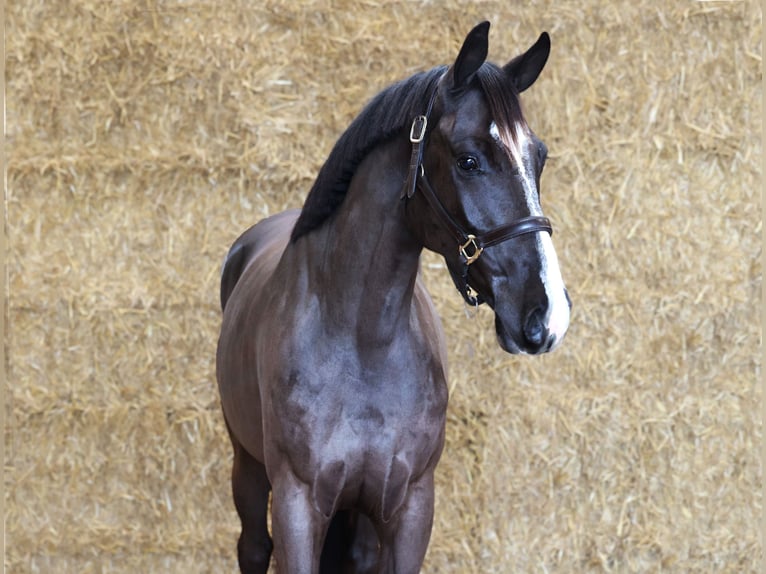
[471, 56]
[524, 69]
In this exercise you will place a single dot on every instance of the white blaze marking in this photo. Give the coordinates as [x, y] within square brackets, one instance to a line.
[557, 320]
[550, 275]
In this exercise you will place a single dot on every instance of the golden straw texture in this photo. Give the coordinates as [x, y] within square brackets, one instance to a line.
[143, 137]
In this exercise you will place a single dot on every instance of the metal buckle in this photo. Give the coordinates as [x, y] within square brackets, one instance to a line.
[470, 302]
[418, 129]
[476, 250]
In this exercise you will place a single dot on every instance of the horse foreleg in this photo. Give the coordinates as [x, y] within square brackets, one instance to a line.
[250, 487]
[404, 539]
[299, 527]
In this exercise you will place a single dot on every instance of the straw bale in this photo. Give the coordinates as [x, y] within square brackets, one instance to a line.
[143, 137]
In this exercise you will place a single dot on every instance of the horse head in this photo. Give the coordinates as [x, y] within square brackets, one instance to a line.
[477, 165]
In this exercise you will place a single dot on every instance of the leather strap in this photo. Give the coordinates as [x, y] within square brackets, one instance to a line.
[519, 227]
[417, 138]
[530, 224]
[447, 220]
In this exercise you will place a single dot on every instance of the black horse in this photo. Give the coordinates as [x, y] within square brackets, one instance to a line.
[331, 361]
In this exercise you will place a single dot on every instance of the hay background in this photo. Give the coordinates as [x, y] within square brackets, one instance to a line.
[144, 136]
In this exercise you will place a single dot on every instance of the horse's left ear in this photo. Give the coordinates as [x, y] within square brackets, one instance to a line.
[524, 69]
[472, 55]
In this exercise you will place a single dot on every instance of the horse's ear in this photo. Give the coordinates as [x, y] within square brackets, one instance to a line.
[524, 69]
[471, 56]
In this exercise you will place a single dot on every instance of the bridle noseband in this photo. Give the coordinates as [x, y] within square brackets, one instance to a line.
[470, 245]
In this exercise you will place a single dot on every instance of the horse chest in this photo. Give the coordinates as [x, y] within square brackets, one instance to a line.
[339, 400]
[356, 433]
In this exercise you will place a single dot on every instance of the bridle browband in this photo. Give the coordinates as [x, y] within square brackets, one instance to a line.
[470, 245]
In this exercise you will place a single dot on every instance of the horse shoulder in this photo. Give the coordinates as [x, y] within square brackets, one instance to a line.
[249, 265]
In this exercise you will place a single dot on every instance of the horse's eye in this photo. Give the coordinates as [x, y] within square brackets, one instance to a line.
[468, 163]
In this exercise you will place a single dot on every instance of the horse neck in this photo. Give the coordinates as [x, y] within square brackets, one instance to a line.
[363, 262]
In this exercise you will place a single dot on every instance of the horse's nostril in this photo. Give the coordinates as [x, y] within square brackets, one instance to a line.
[534, 328]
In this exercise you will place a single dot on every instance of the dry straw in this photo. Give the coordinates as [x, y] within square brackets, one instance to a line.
[144, 136]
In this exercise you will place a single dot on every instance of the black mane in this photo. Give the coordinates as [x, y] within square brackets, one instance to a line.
[387, 114]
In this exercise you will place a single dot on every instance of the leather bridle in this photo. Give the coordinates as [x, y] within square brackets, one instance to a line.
[470, 245]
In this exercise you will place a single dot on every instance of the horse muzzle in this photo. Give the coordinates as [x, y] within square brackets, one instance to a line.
[540, 330]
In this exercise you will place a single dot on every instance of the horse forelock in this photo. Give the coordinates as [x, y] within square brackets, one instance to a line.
[510, 127]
